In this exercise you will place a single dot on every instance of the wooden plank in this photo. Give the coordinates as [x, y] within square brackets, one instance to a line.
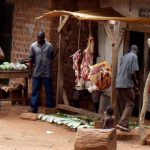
[13, 74]
[63, 23]
[79, 111]
[50, 110]
[139, 28]
[65, 99]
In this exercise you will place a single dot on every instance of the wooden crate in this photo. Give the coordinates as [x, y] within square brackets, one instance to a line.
[15, 95]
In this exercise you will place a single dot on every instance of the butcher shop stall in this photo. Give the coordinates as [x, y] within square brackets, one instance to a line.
[96, 77]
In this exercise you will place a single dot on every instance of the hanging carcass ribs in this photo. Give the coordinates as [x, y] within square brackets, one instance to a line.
[76, 57]
[87, 59]
[89, 76]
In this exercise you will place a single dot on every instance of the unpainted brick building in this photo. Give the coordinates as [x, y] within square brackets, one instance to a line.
[24, 28]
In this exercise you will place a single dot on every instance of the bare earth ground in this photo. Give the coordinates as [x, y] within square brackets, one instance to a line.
[19, 134]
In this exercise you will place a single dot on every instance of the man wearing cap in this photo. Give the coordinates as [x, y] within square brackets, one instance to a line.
[127, 86]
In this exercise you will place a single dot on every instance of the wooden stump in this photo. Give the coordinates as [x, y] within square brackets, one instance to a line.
[96, 139]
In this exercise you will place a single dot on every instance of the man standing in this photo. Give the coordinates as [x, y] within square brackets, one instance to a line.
[41, 55]
[127, 85]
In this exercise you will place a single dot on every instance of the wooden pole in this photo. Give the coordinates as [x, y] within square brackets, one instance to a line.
[114, 64]
[143, 111]
[145, 103]
[60, 77]
[60, 71]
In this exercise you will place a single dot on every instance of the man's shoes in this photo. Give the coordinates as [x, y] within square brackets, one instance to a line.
[122, 128]
[32, 111]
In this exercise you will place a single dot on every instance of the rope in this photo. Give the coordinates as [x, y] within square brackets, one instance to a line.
[79, 35]
[90, 32]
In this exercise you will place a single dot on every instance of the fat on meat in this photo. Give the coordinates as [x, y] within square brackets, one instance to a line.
[87, 59]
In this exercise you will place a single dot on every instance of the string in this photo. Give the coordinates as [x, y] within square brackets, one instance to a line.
[79, 35]
[90, 32]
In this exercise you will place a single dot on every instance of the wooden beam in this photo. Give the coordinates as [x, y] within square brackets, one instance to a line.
[65, 99]
[79, 111]
[126, 41]
[62, 24]
[119, 41]
[109, 32]
[50, 110]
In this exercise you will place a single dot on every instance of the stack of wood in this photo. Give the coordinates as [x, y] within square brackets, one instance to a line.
[96, 139]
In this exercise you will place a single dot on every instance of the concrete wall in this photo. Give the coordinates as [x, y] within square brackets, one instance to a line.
[105, 47]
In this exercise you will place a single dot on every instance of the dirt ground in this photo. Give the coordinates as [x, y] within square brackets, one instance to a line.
[19, 134]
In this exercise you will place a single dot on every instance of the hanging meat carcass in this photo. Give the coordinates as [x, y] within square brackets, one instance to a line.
[76, 57]
[82, 71]
[87, 59]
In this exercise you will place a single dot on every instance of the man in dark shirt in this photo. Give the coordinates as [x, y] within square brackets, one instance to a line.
[41, 55]
[127, 85]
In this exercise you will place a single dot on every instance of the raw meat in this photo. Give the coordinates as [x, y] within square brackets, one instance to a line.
[87, 59]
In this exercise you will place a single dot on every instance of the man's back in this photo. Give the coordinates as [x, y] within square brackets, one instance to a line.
[128, 65]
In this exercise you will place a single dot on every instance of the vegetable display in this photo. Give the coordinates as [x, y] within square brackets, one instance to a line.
[12, 66]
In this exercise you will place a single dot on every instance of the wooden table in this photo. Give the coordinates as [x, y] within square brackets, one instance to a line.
[17, 74]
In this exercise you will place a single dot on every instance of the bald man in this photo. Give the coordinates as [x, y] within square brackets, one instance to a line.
[41, 55]
[127, 85]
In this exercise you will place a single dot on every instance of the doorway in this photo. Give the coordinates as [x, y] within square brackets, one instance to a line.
[138, 39]
[6, 22]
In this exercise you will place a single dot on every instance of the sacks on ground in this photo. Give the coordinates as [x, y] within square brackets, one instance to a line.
[100, 75]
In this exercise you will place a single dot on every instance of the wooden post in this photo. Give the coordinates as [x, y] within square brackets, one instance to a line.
[60, 71]
[114, 64]
[116, 41]
[145, 97]
[143, 112]
[25, 91]
[59, 96]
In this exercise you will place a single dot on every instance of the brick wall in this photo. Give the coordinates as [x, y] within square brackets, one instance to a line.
[25, 29]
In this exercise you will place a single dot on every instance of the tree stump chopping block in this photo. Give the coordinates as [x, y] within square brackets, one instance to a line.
[96, 139]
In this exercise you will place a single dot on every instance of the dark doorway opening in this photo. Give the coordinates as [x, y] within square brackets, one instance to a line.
[138, 39]
[6, 23]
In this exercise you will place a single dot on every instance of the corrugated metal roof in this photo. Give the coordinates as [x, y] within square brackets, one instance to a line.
[103, 14]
